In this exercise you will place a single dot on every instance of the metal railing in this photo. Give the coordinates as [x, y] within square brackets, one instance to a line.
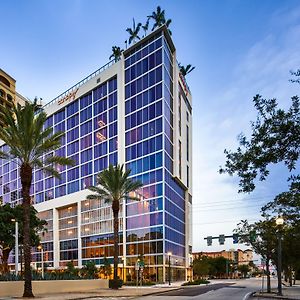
[80, 83]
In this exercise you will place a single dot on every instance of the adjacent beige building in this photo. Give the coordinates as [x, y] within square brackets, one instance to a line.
[241, 257]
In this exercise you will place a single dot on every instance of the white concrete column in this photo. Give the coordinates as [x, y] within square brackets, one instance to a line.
[55, 239]
[79, 234]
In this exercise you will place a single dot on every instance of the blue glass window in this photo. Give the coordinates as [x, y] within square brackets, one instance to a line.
[112, 85]
[86, 114]
[86, 101]
[59, 127]
[100, 92]
[86, 141]
[73, 121]
[113, 158]
[113, 129]
[73, 134]
[86, 128]
[73, 187]
[72, 108]
[73, 174]
[87, 169]
[100, 150]
[100, 121]
[86, 155]
[100, 106]
[112, 99]
[100, 164]
[59, 116]
[73, 148]
[113, 114]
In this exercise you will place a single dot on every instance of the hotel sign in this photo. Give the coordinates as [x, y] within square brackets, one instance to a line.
[69, 97]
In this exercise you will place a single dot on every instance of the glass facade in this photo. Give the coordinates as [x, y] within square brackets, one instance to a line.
[128, 118]
[90, 126]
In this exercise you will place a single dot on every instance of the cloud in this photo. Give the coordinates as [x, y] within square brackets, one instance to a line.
[263, 68]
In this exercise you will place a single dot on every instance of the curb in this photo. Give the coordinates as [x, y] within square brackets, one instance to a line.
[248, 295]
[272, 296]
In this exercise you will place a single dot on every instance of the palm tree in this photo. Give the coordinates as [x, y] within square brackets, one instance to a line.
[146, 27]
[116, 53]
[28, 141]
[134, 31]
[186, 70]
[114, 185]
[159, 19]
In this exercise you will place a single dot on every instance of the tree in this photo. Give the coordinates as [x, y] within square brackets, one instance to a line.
[186, 70]
[145, 27]
[244, 269]
[201, 266]
[134, 32]
[261, 236]
[114, 185]
[275, 138]
[7, 239]
[28, 141]
[106, 268]
[159, 19]
[7, 230]
[90, 270]
[116, 53]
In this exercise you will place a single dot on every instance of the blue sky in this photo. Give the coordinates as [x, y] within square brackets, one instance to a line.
[239, 48]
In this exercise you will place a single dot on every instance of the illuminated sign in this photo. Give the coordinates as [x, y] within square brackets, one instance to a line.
[69, 97]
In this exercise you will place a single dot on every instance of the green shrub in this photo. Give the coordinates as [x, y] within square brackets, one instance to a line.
[145, 283]
[196, 282]
[115, 283]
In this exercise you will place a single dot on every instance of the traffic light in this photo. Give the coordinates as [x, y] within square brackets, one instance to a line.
[209, 240]
[252, 236]
[235, 238]
[221, 239]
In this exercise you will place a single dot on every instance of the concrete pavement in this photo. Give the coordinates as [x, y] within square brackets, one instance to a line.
[124, 292]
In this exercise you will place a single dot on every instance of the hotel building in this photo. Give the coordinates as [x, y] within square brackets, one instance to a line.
[138, 112]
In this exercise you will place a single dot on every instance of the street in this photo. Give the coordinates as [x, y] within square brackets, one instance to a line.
[225, 290]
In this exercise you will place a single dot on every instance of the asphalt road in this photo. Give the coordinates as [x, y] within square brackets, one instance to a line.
[219, 290]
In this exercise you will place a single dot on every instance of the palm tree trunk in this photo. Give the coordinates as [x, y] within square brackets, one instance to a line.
[26, 178]
[115, 208]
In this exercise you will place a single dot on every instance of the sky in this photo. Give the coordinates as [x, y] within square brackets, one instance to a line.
[240, 48]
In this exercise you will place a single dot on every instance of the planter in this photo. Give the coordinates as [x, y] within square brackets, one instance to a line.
[15, 288]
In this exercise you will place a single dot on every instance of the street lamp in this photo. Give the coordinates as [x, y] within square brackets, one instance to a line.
[40, 247]
[279, 223]
[169, 271]
[16, 245]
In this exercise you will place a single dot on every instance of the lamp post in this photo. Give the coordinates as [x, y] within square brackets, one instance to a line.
[16, 245]
[279, 223]
[169, 271]
[40, 247]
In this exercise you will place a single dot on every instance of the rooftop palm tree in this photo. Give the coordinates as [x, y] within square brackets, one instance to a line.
[186, 70]
[28, 141]
[134, 31]
[145, 27]
[114, 185]
[116, 53]
[159, 19]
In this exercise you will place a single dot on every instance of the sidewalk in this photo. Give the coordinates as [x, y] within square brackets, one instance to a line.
[125, 292]
[292, 292]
